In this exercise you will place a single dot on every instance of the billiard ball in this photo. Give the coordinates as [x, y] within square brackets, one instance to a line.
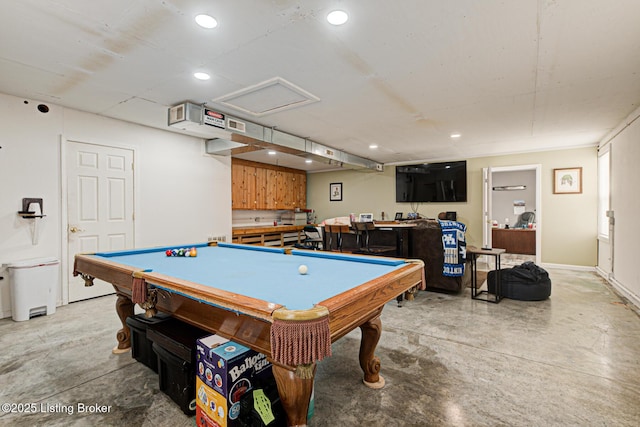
[303, 269]
[168, 252]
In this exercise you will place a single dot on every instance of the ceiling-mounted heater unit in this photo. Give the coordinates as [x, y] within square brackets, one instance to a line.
[197, 120]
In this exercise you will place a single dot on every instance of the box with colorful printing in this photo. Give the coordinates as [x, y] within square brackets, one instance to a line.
[204, 420]
[229, 370]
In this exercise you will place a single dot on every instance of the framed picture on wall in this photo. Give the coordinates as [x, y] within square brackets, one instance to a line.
[567, 181]
[335, 192]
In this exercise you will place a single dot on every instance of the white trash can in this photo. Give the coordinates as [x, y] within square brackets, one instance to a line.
[34, 285]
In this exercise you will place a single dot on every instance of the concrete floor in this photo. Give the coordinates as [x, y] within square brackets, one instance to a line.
[572, 360]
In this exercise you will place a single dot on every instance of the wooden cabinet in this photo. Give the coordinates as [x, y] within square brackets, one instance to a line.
[514, 240]
[243, 186]
[266, 198]
[267, 187]
[300, 191]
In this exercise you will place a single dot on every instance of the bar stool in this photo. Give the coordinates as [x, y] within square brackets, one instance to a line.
[337, 230]
[362, 230]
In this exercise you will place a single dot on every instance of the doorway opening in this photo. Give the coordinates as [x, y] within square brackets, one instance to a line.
[511, 194]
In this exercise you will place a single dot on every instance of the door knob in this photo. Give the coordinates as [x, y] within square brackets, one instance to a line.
[75, 229]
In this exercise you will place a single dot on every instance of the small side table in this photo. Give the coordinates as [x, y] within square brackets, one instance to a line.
[475, 292]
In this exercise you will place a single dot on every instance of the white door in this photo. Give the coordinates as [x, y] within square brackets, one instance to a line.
[99, 207]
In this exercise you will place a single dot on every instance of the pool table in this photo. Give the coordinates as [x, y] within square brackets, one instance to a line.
[256, 296]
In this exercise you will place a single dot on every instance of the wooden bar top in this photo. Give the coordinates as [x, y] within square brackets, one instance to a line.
[394, 224]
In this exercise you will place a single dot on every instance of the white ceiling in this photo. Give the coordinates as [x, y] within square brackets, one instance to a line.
[510, 76]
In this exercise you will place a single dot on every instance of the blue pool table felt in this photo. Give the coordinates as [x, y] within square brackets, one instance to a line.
[263, 273]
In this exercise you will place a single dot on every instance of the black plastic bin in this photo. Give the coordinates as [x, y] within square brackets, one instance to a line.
[177, 379]
[174, 343]
[140, 345]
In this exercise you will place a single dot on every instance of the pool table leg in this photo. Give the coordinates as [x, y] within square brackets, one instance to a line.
[124, 308]
[369, 363]
[295, 394]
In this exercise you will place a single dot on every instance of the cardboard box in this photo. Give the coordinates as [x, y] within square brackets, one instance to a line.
[213, 405]
[225, 371]
[204, 420]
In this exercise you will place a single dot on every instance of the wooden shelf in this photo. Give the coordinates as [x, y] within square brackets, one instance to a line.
[29, 214]
[267, 235]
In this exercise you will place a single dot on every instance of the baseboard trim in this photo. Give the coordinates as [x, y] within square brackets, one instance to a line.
[604, 274]
[569, 267]
[634, 299]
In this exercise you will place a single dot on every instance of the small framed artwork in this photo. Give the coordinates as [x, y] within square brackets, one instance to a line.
[335, 192]
[567, 181]
[398, 216]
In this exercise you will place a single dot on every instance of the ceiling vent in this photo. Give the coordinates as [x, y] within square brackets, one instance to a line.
[268, 97]
[236, 125]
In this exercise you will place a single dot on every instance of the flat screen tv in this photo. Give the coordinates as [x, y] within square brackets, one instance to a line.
[432, 182]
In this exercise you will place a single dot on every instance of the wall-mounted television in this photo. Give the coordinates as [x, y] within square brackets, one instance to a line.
[432, 182]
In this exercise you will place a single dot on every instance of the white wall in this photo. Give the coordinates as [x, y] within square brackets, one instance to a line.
[625, 203]
[182, 194]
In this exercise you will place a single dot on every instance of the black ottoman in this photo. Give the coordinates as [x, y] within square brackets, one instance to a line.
[524, 282]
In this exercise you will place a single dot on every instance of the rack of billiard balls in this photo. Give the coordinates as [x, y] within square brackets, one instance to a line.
[184, 252]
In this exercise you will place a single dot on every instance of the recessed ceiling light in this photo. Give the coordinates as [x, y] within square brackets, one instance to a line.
[206, 21]
[455, 135]
[373, 146]
[337, 17]
[201, 76]
[272, 153]
[308, 161]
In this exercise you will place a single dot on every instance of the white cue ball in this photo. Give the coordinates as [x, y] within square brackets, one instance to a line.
[303, 269]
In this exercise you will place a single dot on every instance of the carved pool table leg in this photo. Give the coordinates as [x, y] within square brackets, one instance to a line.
[295, 394]
[124, 308]
[369, 363]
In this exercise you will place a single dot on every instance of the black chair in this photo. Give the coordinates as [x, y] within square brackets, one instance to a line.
[525, 219]
[312, 239]
[362, 230]
[335, 230]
